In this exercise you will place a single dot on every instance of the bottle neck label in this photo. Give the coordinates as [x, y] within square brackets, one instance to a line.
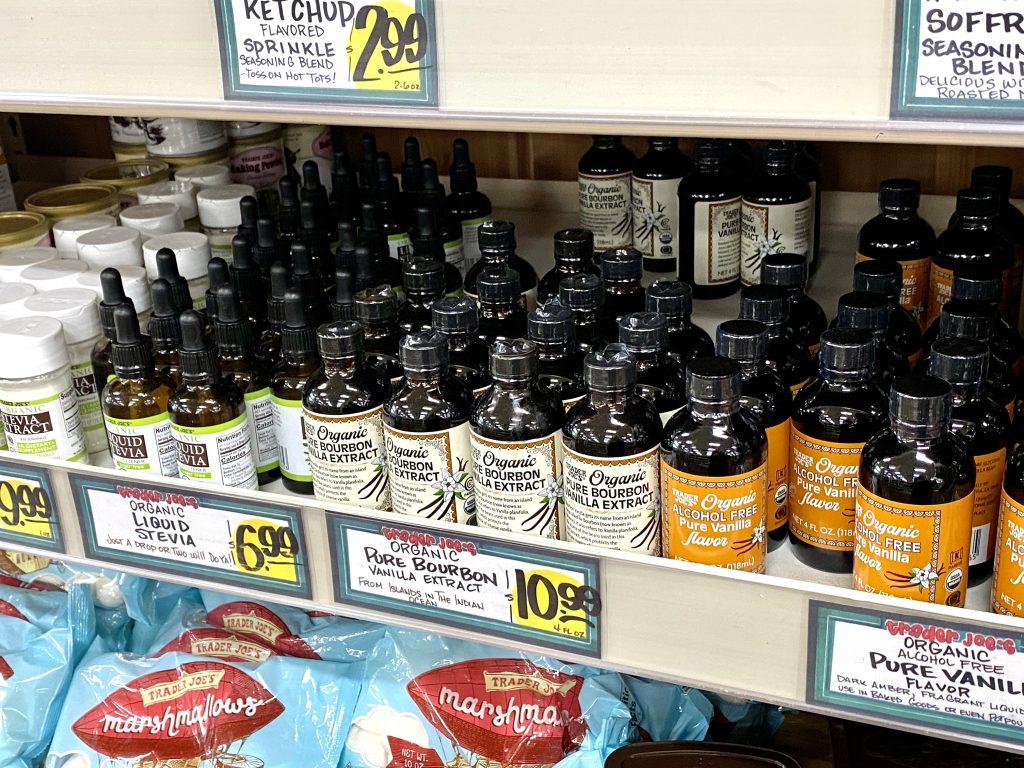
[430, 473]
[347, 458]
[823, 493]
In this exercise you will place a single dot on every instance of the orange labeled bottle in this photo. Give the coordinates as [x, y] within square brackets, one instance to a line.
[833, 417]
[1008, 569]
[714, 470]
[914, 500]
[903, 333]
[870, 312]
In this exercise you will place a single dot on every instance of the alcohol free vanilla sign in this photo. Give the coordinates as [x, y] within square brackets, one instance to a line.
[329, 50]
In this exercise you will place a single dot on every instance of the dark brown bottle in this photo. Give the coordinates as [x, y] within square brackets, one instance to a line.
[807, 164]
[167, 268]
[497, 241]
[456, 319]
[447, 227]
[870, 312]
[307, 280]
[574, 255]
[766, 396]
[428, 242]
[377, 311]
[411, 172]
[806, 318]
[560, 363]
[603, 174]
[886, 279]
[654, 193]
[621, 271]
[985, 428]
[501, 309]
[314, 193]
[584, 295]
[962, 319]
[674, 300]
[769, 304]
[218, 274]
[247, 282]
[374, 239]
[833, 416]
[265, 250]
[366, 168]
[344, 196]
[113, 297]
[659, 378]
[164, 332]
[466, 202]
[269, 346]
[424, 284]
[287, 216]
[387, 199]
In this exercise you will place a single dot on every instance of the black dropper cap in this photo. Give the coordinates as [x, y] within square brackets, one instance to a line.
[670, 298]
[297, 337]
[423, 278]
[163, 322]
[497, 236]
[462, 173]
[432, 189]
[341, 338]
[342, 302]
[279, 282]
[576, 244]
[344, 186]
[370, 233]
[958, 361]
[305, 275]
[113, 297]
[412, 174]
[427, 241]
[218, 274]
[964, 319]
[245, 275]
[288, 205]
[845, 351]
[366, 161]
[198, 359]
[779, 153]
[345, 255]
[899, 194]
[363, 276]
[497, 285]
[921, 404]
[878, 276]
[612, 369]
[234, 331]
[786, 270]
[581, 292]
[314, 191]
[713, 379]
[622, 264]
[860, 309]
[513, 359]
[423, 351]
[977, 285]
[454, 315]
[131, 353]
[977, 203]
[552, 322]
[643, 332]
[767, 304]
[376, 305]
[385, 183]
[745, 341]
[250, 212]
[265, 252]
[167, 268]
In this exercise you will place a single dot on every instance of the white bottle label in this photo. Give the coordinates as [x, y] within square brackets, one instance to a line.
[471, 241]
[291, 442]
[605, 209]
[260, 411]
[400, 246]
[47, 426]
[143, 445]
[430, 473]
[89, 410]
[454, 254]
[656, 219]
[518, 484]
[771, 229]
[716, 241]
[347, 458]
[220, 454]
[613, 503]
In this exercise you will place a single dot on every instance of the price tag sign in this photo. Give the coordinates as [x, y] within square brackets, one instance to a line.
[196, 534]
[958, 58]
[329, 50]
[544, 598]
[947, 675]
[28, 515]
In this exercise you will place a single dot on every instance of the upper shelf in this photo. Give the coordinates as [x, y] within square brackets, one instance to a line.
[704, 67]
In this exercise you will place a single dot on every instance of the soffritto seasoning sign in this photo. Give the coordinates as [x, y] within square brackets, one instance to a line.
[946, 674]
[962, 57]
[28, 515]
[329, 50]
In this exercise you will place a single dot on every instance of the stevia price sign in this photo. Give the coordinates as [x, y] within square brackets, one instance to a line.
[264, 548]
[28, 515]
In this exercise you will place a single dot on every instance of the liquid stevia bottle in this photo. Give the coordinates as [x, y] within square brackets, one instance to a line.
[674, 301]
[307, 280]
[342, 304]
[497, 240]
[217, 274]
[377, 311]
[135, 403]
[886, 278]
[897, 233]
[424, 284]
[466, 202]
[621, 271]
[714, 473]
[914, 499]
[610, 460]
[870, 312]
[164, 332]
[551, 328]
[584, 295]
[456, 319]
[269, 346]
[516, 440]
[767, 397]
[500, 307]
[604, 175]
[659, 378]
[985, 428]
[806, 318]
[208, 419]
[654, 188]
[769, 304]
[574, 255]
[1008, 568]
[342, 411]
[833, 416]
[428, 242]
[113, 297]
[426, 435]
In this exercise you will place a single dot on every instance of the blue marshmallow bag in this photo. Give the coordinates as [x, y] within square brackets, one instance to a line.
[668, 712]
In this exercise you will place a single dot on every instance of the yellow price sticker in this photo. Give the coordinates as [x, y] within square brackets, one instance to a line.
[553, 601]
[25, 508]
[265, 548]
[387, 47]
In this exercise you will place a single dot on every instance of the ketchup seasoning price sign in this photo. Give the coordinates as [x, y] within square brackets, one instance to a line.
[28, 514]
[381, 52]
[194, 534]
[543, 598]
[943, 674]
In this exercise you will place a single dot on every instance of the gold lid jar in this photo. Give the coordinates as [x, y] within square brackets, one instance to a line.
[58, 203]
[128, 152]
[128, 176]
[218, 156]
[23, 229]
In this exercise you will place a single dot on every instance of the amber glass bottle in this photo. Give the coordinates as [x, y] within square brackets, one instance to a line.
[621, 270]
[343, 299]
[497, 240]
[501, 308]
[1007, 583]
[962, 319]
[604, 174]
[659, 377]
[574, 255]
[886, 279]
[806, 318]
[377, 311]
[466, 202]
[584, 295]
[113, 297]
[560, 363]
[769, 304]
[424, 284]
[674, 301]
[870, 312]
[456, 319]
[654, 193]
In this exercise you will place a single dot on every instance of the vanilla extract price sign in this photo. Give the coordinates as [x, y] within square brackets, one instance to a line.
[195, 534]
[344, 51]
[942, 674]
[28, 515]
[549, 599]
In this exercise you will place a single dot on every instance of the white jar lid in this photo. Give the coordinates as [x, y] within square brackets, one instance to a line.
[152, 219]
[77, 309]
[32, 346]
[242, 129]
[59, 273]
[218, 206]
[110, 247]
[12, 299]
[136, 286]
[191, 251]
[13, 263]
[67, 231]
[203, 176]
[180, 192]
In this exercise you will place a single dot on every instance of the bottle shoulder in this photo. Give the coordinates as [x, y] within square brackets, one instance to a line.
[777, 189]
[940, 472]
[899, 239]
[504, 414]
[364, 389]
[623, 428]
[429, 408]
[822, 412]
[206, 405]
[733, 444]
[137, 398]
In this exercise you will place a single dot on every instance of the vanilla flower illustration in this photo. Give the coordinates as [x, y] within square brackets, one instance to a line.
[448, 486]
[758, 535]
[552, 491]
[923, 577]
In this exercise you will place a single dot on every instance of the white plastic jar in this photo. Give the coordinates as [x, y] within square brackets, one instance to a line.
[110, 247]
[191, 252]
[180, 192]
[67, 231]
[136, 288]
[13, 263]
[203, 176]
[256, 154]
[37, 396]
[77, 310]
[167, 136]
[220, 215]
[153, 219]
[50, 275]
[12, 299]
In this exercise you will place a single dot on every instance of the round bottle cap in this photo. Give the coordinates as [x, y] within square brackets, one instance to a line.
[32, 346]
[977, 202]
[513, 359]
[376, 305]
[964, 319]
[920, 401]
[860, 309]
[710, 155]
[245, 129]
[13, 263]
[767, 304]
[343, 338]
[551, 322]
[131, 352]
[59, 273]
[219, 206]
[497, 285]
[198, 358]
[67, 231]
[612, 369]
[846, 350]
[745, 341]
[152, 219]
[423, 276]
[454, 315]
[877, 276]
[582, 292]
[622, 264]
[426, 351]
[575, 244]
[181, 192]
[998, 177]
[899, 194]
[671, 298]
[76, 309]
[958, 361]
[12, 299]
[977, 285]
[779, 153]
[786, 270]
[462, 173]
[497, 236]
[713, 379]
[203, 176]
[191, 252]
[643, 332]
[110, 247]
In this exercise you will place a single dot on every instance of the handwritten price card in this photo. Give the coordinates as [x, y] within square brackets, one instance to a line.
[27, 512]
[329, 50]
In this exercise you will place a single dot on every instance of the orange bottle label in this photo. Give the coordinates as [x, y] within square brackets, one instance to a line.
[914, 293]
[778, 474]
[917, 551]
[1008, 571]
[823, 493]
[989, 469]
[797, 387]
[715, 520]
[940, 286]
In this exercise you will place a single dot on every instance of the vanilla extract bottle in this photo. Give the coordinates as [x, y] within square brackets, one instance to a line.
[886, 278]
[456, 320]
[424, 284]
[1007, 579]
[769, 304]
[428, 243]
[961, 319]
[497, 241]
[604, 176]
[501, 310]
[551, 328]
[584, 295]
[659, 378]
[806, 319]
[621, 271]
[674, 301]
[377, 311]
[574, 255]
[655, 202]
[870, 312]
